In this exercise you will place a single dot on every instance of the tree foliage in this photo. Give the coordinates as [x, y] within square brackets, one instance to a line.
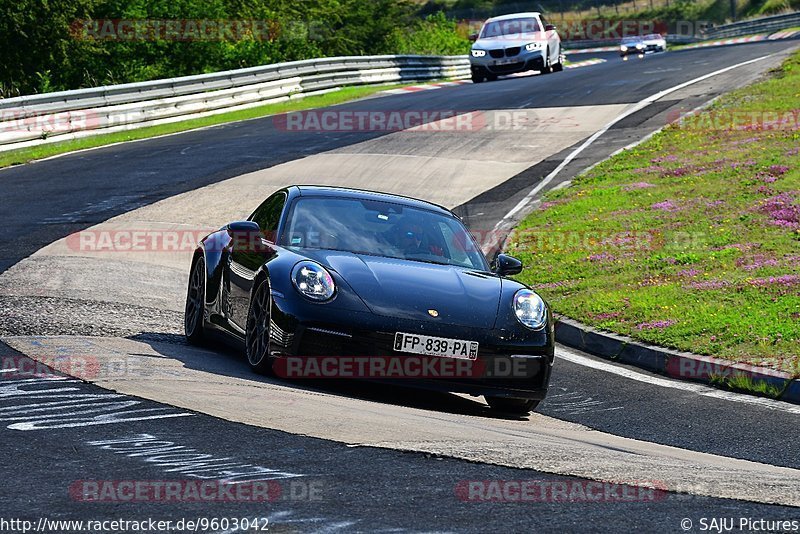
[40, 49]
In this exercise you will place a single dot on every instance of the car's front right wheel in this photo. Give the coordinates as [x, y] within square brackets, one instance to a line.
[559, 66]
[477, 77]
[547, 68]
[512, 406]
[257, 331]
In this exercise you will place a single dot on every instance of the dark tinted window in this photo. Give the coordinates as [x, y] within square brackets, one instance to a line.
[510, 28]
[268, 214]
[379, 228]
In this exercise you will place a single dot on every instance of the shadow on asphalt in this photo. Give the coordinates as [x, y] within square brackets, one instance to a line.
[223, 359]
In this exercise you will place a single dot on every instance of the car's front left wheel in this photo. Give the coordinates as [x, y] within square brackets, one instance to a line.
[195, 303]
[257, 332]
[512, 406]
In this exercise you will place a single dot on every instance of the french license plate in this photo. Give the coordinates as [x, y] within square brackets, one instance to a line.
[505, 61]
[436, 346]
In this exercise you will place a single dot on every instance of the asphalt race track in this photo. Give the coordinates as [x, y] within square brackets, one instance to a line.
[355, 456]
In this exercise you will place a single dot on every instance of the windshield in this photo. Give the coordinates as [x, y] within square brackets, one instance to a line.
[379, 228]
[510, 28]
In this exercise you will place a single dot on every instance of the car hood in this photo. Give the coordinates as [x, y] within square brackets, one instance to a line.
[408, 289]
[506, 42]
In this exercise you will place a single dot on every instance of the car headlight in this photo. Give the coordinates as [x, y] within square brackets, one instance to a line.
[639, 45]
[478, 53]
[313, 281]
[623, 48]
[530, 47]
[530, 309]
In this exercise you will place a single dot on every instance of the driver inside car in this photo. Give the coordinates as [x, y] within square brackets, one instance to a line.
[414, 241]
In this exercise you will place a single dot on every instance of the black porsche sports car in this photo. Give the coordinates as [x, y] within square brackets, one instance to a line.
[323, 281]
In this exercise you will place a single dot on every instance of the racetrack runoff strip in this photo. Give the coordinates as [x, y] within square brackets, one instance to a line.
[574, 356]
[426, 87]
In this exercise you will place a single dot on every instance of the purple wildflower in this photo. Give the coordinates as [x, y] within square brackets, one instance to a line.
[666, 205]
[655, 325]
[786, 280]
[604, 316]
[652, 168]
[766, 177]
[781, 211]
[688, 273]
[756, 262]
[680, 171]
[764, 190]
[744, 247]
[603, 256]
[778, 170]
[669, 157]
[709, 284]
[549, 204]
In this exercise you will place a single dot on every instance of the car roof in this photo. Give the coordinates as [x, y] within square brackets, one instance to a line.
[514, 16]
[363, 194]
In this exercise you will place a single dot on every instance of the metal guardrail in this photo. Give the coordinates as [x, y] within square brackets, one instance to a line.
[761, 25]
[28, 120]
[578, 45]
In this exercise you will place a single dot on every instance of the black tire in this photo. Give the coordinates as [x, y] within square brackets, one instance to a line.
[558, 67]
[547, 68]
[194, 311]
[477, 78]
[512, 406]
[491, 77]
[257, 331]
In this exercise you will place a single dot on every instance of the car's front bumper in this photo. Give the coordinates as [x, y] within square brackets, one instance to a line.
[512, 362]
[524, 61]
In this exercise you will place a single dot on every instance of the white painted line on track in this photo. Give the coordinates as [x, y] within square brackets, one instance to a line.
[586, 144]
[575, 357]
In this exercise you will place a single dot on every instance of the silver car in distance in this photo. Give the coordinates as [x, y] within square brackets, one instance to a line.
[515, 43]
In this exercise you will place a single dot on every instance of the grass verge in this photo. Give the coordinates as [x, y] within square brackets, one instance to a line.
[25, 155]
[690, 240]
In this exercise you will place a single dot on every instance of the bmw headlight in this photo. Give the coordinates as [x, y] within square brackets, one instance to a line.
[313, 281]
[639, 46]
[530, 47]
[623, 48]
[530, 309]
[478, 53]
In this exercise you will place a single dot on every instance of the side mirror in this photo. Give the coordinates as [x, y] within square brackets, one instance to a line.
[473, 37]
[549, 28]
[505, 265]
[243, 227]
[246, 236]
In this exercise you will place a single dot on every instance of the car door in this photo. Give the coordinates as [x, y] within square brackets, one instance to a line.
[248, 254]
[553, 39]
